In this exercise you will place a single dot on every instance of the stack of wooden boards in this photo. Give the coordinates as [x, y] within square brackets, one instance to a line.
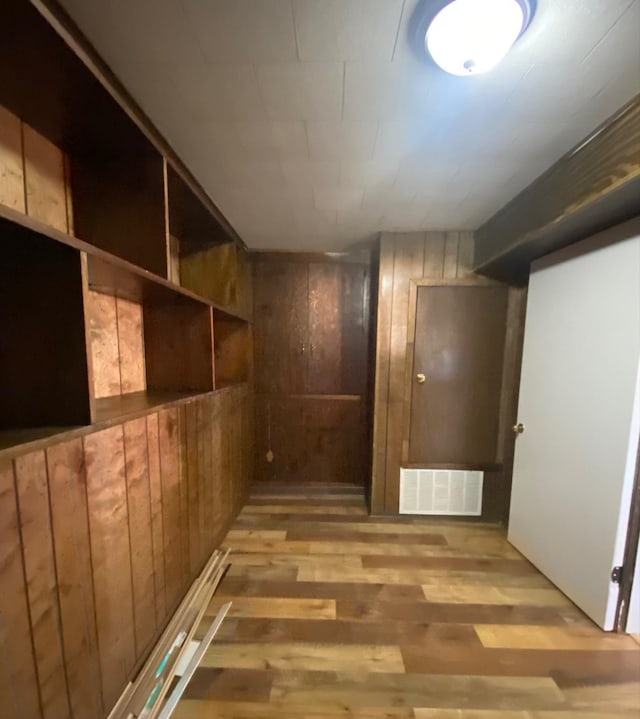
[145, 697]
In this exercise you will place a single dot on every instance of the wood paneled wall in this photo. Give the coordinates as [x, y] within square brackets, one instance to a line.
[221, 273]
[311, 332]
[100, 536]
[434, 255]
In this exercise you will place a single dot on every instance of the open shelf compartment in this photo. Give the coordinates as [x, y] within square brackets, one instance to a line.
[232, 351]
[44, 374]
[149, 344]
[95, 173]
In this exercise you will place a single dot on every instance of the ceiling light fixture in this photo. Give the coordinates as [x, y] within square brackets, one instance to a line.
[469, 37]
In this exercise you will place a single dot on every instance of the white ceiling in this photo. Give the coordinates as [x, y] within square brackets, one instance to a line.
[313, 125]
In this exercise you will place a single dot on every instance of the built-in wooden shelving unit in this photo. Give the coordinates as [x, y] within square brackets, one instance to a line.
[94, 216]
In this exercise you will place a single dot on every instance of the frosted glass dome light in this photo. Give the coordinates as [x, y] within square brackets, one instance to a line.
[468, 37]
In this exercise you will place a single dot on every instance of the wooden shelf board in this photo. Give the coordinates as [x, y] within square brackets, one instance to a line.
[122, 407]
[111, 411]
[12, 438]
[119, 267]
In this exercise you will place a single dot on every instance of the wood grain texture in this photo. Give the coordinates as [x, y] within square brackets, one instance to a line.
[315, 309]
[329, 641]
[119, 207]
[169, 438]
[44, 180]
[68, 491]
[584, 192]
[178, 341]
[22, 698]
[312, 438]
[111, 557]
[130, 346]
[140, 532]
[408, 264]
[105, 351]
[460, 335]
[103, 532]
[213, 273]
[40, 573]
[232, 352]
[157, 528]
[280, 285]
[429, 256]
[11, 162]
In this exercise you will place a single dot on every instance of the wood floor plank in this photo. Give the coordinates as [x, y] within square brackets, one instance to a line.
[315, 572]
[563, 666]
[452, 613]
[432, 638]
[249, 710]
[277, 608]
[437, 552]
[255, 534]
[321, 535]
[497, 636]
[276, 509]
[305, 656]
[614, 697]
[234, 685]
[496, 595]
[333, 562]
[461, 564]
[493, 714]
[233, 587]
[263, 573]
[327, 501]
[342, 616]
[360, 689]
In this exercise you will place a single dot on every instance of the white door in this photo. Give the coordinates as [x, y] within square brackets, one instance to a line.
[580, 405]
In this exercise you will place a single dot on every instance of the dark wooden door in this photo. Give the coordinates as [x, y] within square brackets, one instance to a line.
[311, 329]
[459, 347]
[338, 328]
[281, 317]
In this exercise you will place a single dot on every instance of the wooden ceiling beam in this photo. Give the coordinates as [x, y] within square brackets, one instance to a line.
[594, 186]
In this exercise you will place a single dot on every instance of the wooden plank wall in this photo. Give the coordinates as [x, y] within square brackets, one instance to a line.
[33, 174]
[221, 273]
[117, 344]
[100, 537]
[411, 256]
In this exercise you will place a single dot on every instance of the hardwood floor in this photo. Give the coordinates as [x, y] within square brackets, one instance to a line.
[338, 615]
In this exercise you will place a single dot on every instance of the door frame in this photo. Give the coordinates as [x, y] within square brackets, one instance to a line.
[408, 370]
[630, 553]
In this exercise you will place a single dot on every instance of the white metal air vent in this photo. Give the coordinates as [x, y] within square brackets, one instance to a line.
[441, 491]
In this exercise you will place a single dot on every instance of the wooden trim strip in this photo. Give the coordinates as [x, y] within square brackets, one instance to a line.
[594, 186]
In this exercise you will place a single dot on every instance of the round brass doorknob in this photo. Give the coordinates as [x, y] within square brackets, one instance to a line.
[420, 378]
[518, 428]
